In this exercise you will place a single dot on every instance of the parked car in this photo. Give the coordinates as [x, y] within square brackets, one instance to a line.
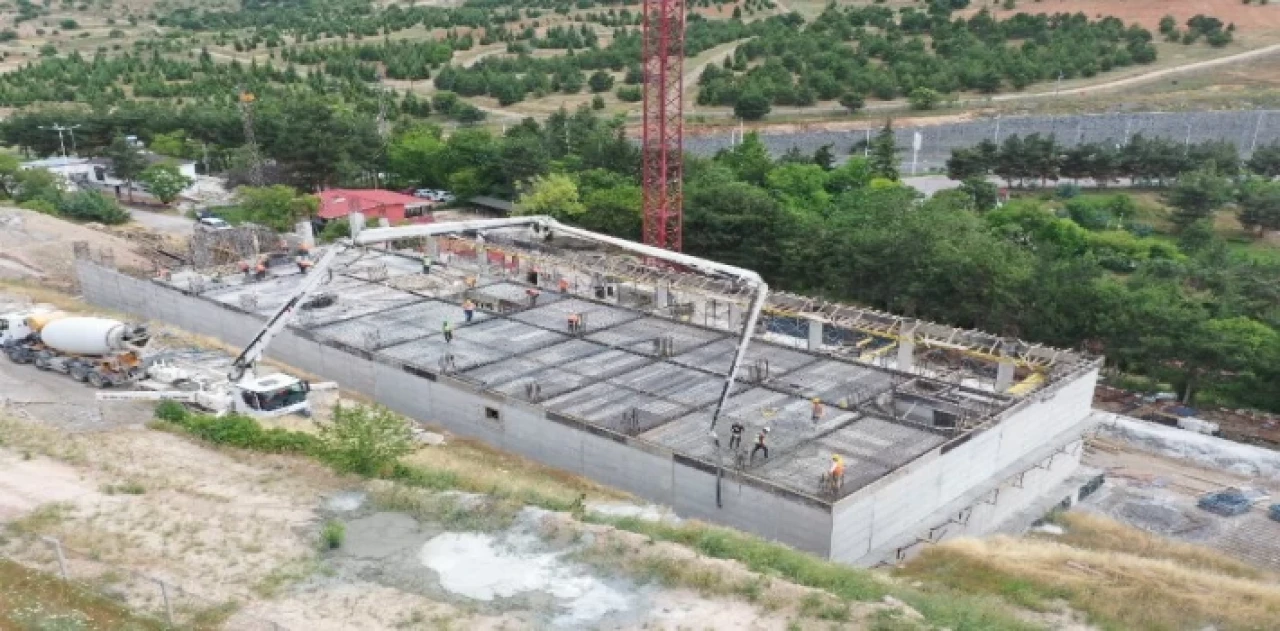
[214, 223]
[425, 193]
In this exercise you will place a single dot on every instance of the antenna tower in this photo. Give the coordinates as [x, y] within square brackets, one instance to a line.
[662, 157]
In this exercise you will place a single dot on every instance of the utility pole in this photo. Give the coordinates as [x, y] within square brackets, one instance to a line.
[1057, 88]
[62, 145]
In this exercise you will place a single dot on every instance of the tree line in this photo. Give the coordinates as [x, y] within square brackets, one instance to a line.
[1203, 177]
[852, 53]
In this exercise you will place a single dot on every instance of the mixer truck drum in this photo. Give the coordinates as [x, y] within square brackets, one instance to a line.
[138, 336]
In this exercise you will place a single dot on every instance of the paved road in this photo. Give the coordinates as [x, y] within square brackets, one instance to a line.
[162, 222]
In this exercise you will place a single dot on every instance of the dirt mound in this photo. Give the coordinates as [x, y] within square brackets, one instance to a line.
[38, 247]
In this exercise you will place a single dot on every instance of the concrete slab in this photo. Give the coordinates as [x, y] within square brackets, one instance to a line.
[642, 335]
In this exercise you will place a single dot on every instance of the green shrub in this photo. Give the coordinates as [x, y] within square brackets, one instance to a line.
[93, 206]
[172, 411]
[335, 229]
[237, 430]
[333, 534]
[630, 94]
[365, 439]
[41, 206]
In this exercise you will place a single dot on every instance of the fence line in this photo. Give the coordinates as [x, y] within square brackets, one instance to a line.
[1246, 129]
[167, 603]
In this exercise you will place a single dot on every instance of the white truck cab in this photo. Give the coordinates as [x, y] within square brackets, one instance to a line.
[13, 326]
[271, 396]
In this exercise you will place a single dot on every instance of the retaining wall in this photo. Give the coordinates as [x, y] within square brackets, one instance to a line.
[871, 522]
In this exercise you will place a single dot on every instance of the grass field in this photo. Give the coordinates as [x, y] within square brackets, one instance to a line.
[1121, 577]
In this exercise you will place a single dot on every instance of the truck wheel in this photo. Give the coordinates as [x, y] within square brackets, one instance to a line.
[79, 373]
[42, 362]
[96, 380]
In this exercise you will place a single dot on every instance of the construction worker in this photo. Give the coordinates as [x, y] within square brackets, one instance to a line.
[471, 282]
[245, 269]
[304, 264]
[817, 410]
[760, 444]
[575, 323]
[426, 263]
[448, 331]
[260, 272]
[835, 475]
[735, 434]
[533, 294]
[564, 285]
[468, 310]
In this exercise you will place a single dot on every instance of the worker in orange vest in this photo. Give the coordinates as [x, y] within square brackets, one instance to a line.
[564, 285]
[817, 410]
[835, 475]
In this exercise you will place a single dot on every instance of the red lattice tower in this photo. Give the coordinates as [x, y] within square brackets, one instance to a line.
[662, 145]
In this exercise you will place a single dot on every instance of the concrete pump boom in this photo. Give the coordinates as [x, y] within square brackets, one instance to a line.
[280, 319]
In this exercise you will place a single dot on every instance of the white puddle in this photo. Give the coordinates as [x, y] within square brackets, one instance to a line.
[482, 567]
[647, 512]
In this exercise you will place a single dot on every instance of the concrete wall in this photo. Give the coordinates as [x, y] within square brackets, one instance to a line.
[649, 471]
[896, 509]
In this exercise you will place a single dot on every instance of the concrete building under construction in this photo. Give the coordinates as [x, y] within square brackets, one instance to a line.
[943, 431]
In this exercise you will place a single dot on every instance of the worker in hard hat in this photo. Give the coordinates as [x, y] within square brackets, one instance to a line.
[447, 329]
[468, 311]
[817, 409]
[835, 475]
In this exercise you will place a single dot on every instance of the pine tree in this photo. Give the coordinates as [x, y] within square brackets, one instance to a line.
[884, 153]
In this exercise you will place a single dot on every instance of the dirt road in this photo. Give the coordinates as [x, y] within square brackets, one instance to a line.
[162, 222]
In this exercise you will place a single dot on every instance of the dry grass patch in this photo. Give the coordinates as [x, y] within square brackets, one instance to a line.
[1121, 580]
[482, 469]
[1098, 533]
[35, 600]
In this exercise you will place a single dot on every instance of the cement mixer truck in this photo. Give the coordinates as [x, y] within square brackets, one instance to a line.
[100, 351]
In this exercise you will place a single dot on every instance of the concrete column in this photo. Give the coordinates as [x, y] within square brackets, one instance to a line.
[660, 296]
[1004, 375]
[357, 223]
[433, 247]
[305, 233]
[735, 316]
[815, 335]
[906, 355]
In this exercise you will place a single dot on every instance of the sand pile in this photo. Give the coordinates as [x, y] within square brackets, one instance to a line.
[39, 247]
